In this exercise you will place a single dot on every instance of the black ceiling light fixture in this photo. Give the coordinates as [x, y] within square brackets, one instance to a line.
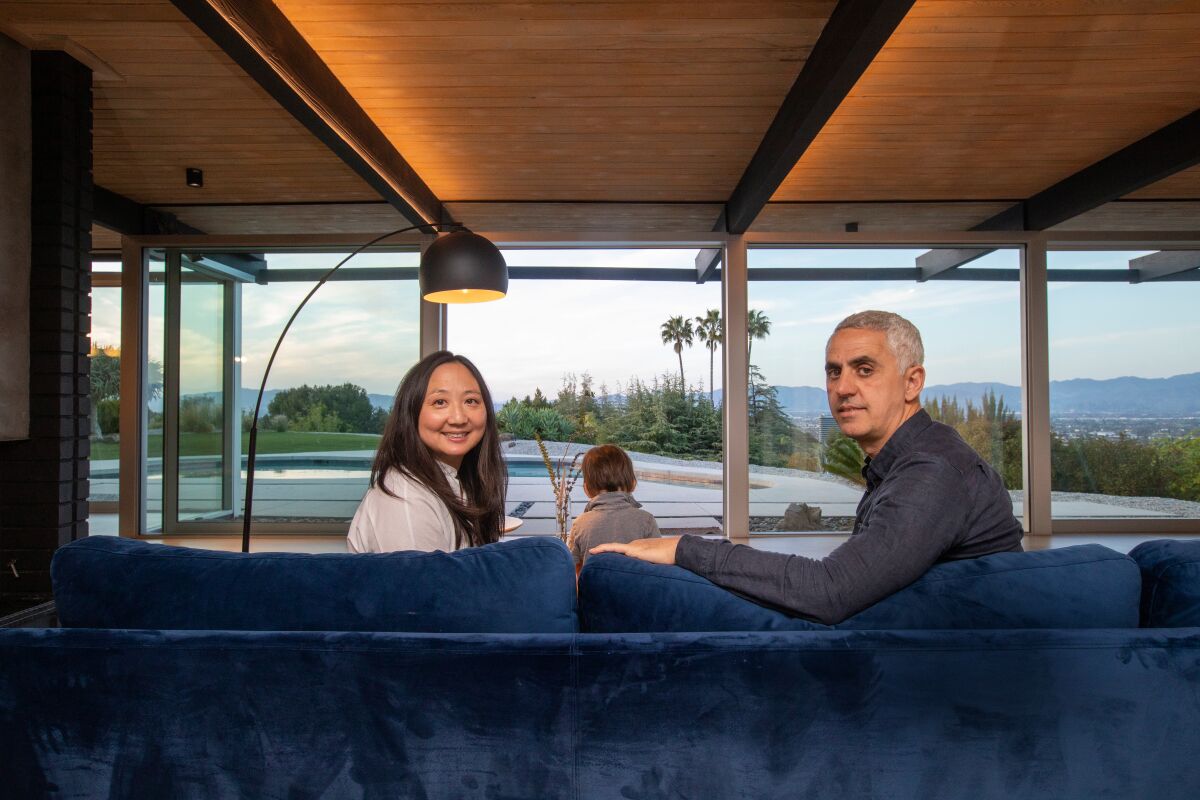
[194, 177]
[459, 267]
[463, 267]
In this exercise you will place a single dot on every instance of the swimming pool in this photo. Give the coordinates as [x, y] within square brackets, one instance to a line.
[361, 470]
[356, 469]
[306, 467]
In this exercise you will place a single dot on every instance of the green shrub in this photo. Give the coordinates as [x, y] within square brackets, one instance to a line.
[522, 421]
[199, 414]
[108, 413]
[347, 406]
[843, 457]
[317, 418]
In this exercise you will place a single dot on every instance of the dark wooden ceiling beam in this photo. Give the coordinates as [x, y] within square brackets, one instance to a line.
[854, 34]
[264, 43]
[935, 262]
[1163, 264]
[1159, 155]
[129, 218]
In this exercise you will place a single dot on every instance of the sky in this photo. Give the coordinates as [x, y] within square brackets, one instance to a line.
[366, 333]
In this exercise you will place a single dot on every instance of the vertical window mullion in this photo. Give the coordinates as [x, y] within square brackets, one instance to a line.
[1035, 388]
[232, 380]
[170, 434]
[131, 519]
[735, 415]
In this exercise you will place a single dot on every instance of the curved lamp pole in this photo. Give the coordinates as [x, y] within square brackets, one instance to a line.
[461, 267]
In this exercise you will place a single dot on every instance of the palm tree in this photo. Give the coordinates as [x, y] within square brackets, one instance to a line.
[708, 330]
[757, 327]
[677, 332]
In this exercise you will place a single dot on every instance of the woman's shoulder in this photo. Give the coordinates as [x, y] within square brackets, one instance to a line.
[408, 516]
[396, 488]
[401, 483]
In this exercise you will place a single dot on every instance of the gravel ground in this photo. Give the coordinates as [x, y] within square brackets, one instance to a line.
[1182, 509]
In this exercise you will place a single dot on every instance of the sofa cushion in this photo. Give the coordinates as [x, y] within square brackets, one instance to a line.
[1082, 586]
[520, 586]
[618, 594]
[1170, 582]
[1085, 586]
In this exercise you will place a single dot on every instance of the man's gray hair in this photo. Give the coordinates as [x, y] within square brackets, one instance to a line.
[903, 338]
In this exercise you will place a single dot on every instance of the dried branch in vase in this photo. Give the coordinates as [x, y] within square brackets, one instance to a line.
[563, 475]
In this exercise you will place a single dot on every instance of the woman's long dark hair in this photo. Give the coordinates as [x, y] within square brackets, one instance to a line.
[479, 515]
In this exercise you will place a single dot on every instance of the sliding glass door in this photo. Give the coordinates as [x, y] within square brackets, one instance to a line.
[214, 317]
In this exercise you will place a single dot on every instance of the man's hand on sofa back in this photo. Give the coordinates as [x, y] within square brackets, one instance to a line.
[656, 551]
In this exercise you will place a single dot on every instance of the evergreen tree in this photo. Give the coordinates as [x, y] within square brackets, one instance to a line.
[343, 409]
[771, 430]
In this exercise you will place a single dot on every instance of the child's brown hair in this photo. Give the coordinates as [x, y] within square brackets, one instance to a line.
[608, 469]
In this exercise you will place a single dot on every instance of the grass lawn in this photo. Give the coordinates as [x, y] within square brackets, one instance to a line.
[200, 444]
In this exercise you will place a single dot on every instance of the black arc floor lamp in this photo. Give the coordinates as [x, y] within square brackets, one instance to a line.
[459, 267]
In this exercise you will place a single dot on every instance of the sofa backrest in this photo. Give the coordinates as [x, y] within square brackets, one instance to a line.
[520, 586]
[1084, 586]
[1170, 582]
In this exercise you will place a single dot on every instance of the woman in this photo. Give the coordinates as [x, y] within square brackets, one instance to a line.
[438, 481]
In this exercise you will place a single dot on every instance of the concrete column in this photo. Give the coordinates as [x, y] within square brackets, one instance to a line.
[15, 227]
[44, 478]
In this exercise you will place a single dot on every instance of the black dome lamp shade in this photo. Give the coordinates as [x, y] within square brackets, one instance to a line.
[463, 267]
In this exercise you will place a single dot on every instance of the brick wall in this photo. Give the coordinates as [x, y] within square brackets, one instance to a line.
[44, 479]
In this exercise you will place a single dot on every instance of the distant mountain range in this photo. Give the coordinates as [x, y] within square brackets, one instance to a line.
[1177, 396]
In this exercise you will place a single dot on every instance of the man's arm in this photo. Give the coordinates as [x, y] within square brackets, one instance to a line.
[917, 516]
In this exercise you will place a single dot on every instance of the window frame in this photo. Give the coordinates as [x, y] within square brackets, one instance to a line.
[1033, 245]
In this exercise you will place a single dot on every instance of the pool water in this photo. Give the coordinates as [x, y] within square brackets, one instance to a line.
[516, 469]
[358, 471]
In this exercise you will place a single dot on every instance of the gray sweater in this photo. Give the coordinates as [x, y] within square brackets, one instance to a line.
[929, 498]
[610, 517]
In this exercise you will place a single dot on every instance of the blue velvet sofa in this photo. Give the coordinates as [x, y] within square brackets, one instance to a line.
[1071, 673]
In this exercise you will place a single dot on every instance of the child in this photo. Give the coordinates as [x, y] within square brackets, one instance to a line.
[611, 515]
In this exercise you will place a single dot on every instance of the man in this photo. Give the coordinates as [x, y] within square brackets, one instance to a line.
[929, 497]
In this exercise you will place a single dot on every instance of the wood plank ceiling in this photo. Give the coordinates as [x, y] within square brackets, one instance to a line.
[166, 98]
[634, 115]
[566, 99]
[981, 99]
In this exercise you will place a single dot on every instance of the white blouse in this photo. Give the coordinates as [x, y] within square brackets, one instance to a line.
[415, 519]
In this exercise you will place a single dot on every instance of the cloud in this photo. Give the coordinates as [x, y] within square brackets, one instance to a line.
[1153, 337]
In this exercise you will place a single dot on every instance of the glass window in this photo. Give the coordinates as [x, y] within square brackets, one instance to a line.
[804, 474]
[1124, 389]
[636, 363]
[201, 441]
[104, 419]
[156, 344]
[328, 394]
[332, 383]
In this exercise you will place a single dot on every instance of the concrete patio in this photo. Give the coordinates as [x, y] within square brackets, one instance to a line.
[682, 497]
